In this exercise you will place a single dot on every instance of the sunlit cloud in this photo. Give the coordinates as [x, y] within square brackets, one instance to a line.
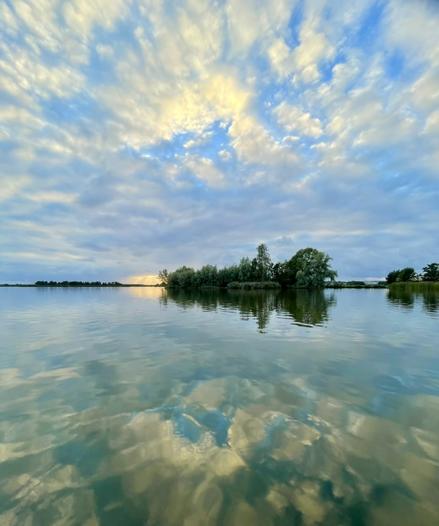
[143, 279]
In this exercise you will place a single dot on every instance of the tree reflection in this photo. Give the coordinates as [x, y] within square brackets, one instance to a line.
[307, 307]
[401, 297]
[304, 307]
[406, 295]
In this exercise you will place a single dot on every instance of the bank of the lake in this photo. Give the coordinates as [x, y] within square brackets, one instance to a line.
[75, 285]
[416, 286]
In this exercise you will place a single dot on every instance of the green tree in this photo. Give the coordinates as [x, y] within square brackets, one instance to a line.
[392, 276]
[310, 268]
[263, 266]
[431, 272]
[406, 274]
[208, 276]
[283, 274]
[228, 274]
[163, 277]
[245, 270]
[183, 277]
[307, 268]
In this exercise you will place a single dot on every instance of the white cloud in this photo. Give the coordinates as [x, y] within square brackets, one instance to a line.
[281, 58]
[201, 139]
[52, 197]
[27, 78]
[8, 18]
[295, 119]
[432, 124]
[313, 48]
[253, 144]
[302, 62]
[412, 27]
[204, 169]
[105, 51]
[13, 186]
[82, 15]
[424, 94]
[251, 21]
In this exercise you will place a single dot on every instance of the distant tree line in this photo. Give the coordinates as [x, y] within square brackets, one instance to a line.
[429, 273]
[308, 268]
[77, 284]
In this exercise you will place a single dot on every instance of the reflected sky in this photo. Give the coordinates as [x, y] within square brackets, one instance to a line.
[141, 406]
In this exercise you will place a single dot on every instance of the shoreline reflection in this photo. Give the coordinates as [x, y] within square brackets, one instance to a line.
[407, 296]
[305, 308]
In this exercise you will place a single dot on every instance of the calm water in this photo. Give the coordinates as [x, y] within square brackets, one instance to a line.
[138, 407]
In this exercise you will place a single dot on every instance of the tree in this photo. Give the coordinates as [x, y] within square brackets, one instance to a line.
[183, 277]
[208, 276]
[163, 276]
[263, 266]
[406, 274]
[310, 268]
[245, 270]
[307, 268]
[431, 272]
[283, 274]
[392, 276]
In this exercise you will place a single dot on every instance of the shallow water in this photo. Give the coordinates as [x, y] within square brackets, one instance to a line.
[136, 406]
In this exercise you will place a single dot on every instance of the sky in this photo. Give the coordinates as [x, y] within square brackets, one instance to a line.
[137, 135]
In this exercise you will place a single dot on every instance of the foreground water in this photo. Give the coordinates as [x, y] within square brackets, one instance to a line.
[141, 407]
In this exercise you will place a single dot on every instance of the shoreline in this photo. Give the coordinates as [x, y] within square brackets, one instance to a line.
[102, 286]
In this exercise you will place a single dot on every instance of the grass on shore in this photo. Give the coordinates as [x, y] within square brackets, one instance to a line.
[253, 285]
[416, 286]
[355, 285]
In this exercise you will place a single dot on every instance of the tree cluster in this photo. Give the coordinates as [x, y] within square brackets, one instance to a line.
[308, 268]
[429, 273]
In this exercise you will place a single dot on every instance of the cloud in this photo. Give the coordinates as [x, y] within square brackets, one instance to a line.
[127, 130]
[144, 118]
[314, 47]
[302, 62]
[81, 16]
[253, 144]
[294, 119]
[12, 186]
[143, 279]
[250, 21]
[205, 170]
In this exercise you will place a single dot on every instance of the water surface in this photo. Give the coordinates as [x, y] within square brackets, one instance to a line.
[138, 406]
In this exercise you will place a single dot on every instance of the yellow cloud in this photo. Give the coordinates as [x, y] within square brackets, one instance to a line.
[143, 279]
[197, 106]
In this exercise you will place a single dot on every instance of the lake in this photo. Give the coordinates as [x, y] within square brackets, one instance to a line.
[138, 406]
